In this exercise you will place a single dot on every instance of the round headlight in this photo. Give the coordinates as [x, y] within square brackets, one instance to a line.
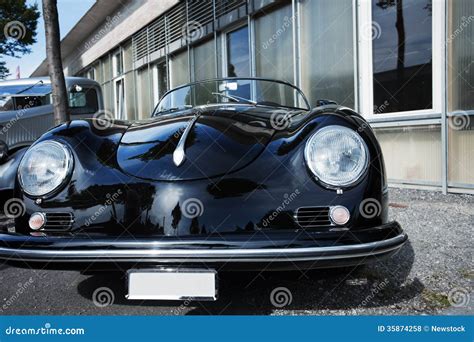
[336, 155]
[44, 168]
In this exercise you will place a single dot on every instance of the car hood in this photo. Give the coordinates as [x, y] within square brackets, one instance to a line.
[220, 140]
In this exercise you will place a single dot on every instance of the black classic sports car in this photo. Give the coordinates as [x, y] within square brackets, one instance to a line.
[236, 173]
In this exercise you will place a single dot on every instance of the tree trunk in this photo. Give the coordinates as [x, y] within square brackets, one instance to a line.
[400, 25]
[55, 65]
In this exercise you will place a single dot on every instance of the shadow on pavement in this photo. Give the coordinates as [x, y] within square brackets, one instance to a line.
[381, 283]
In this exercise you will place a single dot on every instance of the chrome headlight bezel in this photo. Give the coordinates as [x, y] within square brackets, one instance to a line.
[332, 184]
[65, 176]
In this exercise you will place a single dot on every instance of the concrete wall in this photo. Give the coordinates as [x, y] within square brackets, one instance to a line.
[118, 27]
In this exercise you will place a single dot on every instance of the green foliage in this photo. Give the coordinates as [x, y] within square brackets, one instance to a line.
[18, 23]
[4, 72]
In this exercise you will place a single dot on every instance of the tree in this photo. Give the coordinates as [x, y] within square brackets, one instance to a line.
[55, 64]
[18, 22]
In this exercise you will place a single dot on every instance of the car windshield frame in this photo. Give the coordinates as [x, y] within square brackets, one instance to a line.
[230, 79]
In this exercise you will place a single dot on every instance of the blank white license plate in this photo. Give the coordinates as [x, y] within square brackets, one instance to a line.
[172, 284]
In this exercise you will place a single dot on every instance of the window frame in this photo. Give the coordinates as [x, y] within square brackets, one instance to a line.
[156, 74]
[170, 60]
[117, 61]
[225, 53]
[193, 48]
[90, 74]
[297, 54]
[365, 50]
[120, 111]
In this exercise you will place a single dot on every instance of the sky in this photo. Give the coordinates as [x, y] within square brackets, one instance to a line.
[69, 12]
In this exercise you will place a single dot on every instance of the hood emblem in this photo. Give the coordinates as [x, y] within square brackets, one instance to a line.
[179, 154]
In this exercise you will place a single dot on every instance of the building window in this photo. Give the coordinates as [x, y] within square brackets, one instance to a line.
[274, 45]
[204, 61]
[179, 69]
[327, 51]
[91, 73]
[117, 63]
[160, 81]
[107, 68]
[238, 55]
[402, 55]
[143, 93]
[119, 96]
[460, 84]
[460, 55]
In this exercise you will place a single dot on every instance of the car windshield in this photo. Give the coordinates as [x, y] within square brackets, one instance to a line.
[231, 91]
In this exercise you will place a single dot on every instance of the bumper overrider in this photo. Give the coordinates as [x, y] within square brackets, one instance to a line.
[258, 250]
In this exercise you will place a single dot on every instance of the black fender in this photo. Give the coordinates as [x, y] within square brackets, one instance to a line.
[8, 170]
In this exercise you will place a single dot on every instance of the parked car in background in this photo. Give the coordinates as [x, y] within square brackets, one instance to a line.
[236, 173]
[26, 112]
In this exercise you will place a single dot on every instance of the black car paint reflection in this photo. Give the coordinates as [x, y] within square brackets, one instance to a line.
[239, 175]
[244, 191]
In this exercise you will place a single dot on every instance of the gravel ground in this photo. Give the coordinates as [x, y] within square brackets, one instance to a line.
[432, 274]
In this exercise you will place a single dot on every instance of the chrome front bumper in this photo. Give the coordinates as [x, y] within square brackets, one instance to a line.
[180, 251]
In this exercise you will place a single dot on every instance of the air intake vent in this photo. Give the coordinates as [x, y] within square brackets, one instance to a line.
[58, 221]
[313, 217]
